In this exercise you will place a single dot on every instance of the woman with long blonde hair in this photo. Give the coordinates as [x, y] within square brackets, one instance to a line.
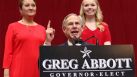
[92, 17]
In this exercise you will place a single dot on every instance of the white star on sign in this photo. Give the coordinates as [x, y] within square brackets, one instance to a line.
[86, 52]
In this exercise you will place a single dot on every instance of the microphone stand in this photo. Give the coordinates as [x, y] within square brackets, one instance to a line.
[97, 42]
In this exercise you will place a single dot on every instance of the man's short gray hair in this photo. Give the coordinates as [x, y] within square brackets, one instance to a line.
[72, 14]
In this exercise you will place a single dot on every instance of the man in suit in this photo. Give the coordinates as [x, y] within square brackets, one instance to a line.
[72, 28]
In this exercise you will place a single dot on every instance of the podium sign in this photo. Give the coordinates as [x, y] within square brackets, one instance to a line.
[87, 61]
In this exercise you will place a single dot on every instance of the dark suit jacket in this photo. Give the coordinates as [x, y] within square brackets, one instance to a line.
[82, 44]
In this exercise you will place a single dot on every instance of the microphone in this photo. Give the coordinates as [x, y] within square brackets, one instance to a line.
[97, 41]
[77, 41]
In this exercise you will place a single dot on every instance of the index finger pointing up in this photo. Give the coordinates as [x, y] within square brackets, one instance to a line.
[48, 26]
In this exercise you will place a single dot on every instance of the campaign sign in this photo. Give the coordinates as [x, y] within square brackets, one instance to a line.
[87, 61]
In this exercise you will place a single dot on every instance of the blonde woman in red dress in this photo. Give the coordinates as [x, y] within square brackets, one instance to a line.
[93, 23]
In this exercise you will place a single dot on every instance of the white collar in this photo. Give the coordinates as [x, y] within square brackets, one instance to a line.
[69, 43]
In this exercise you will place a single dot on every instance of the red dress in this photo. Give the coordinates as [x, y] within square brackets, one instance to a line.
[22, 49]
[101, 36]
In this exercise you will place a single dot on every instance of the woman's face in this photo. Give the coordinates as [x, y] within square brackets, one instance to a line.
[89, 7]
[28, 8]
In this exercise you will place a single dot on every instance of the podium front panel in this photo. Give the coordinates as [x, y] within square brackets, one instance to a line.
[87, 61]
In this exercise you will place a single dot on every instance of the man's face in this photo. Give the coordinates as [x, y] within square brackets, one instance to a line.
[73, 27]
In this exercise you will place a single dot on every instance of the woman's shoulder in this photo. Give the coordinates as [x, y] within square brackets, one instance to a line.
[13, 25]
[40, 26]
[104, 24]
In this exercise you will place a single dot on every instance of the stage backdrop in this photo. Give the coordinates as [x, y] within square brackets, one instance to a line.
[121, 15]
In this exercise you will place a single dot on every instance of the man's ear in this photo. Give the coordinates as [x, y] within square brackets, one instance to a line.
[63, 28]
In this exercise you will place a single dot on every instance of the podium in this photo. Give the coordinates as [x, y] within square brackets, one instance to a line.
[87, 61]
